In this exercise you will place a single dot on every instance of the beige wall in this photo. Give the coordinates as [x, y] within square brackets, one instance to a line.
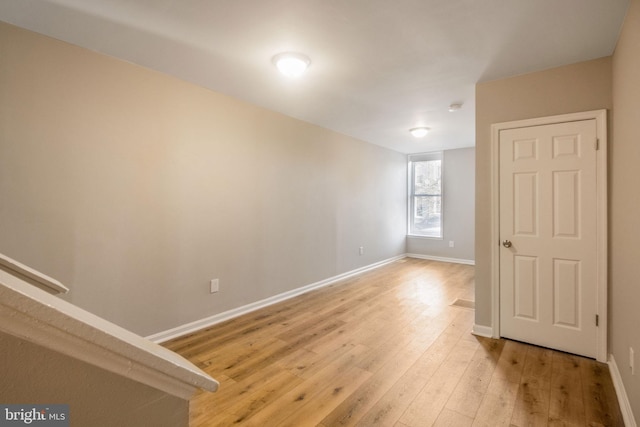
[34, 375]
[612, 83]
[573, 88]
[624, 197]
[458, 204]
[135, 189]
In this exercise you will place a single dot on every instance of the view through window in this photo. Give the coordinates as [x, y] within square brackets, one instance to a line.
[425, 201]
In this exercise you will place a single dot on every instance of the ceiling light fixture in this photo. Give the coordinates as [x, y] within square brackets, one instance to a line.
[419, 132]
[291, 64]
[454, 107]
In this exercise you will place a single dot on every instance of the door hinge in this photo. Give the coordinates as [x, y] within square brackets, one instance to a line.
[597, 144]
[597, 320]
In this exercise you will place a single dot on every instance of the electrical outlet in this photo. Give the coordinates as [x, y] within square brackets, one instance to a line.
[215, 286]
[361, 250]
[632, 361]
[450, 243]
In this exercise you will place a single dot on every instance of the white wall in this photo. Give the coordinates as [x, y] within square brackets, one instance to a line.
[459, 210]
[135, 189]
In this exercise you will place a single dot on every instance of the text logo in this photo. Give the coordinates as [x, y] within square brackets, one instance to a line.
[34, 415]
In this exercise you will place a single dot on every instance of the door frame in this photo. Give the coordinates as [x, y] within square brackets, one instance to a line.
[600, 116]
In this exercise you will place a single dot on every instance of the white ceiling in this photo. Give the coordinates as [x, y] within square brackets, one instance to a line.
[379, 67]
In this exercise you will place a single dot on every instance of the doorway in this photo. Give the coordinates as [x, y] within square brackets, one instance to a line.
[549, 210]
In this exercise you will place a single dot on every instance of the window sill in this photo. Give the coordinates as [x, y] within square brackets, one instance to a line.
[418, 236]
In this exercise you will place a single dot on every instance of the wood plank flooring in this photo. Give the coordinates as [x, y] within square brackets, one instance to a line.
[387, 348]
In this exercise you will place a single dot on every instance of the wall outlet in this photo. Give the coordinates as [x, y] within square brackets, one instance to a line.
[451, 243]
[632, 361]
[361, 250]
[215, 286]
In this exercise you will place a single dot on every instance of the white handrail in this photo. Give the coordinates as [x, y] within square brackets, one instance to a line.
[36, 316]
[32, 276]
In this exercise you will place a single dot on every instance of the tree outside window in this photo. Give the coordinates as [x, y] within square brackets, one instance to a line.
[426, 195]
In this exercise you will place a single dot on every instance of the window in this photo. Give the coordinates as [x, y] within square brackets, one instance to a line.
[425, 197]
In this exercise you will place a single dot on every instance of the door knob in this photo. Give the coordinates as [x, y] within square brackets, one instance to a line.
[506, 243]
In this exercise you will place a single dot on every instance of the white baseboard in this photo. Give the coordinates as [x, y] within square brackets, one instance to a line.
[230, 314]
[623, 399]
[443, 259]
[482, 331]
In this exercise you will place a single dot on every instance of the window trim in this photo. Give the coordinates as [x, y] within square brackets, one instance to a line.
[433, 155]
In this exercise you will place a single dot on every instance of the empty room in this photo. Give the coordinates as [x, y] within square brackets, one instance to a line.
[278, 213]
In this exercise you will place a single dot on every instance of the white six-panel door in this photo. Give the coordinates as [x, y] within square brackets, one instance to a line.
[548, 257]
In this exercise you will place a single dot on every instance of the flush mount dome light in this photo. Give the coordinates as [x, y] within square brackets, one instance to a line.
[419, 132]
[291, 64]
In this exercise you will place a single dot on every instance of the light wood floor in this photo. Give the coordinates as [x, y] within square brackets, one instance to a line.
[387, 348]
